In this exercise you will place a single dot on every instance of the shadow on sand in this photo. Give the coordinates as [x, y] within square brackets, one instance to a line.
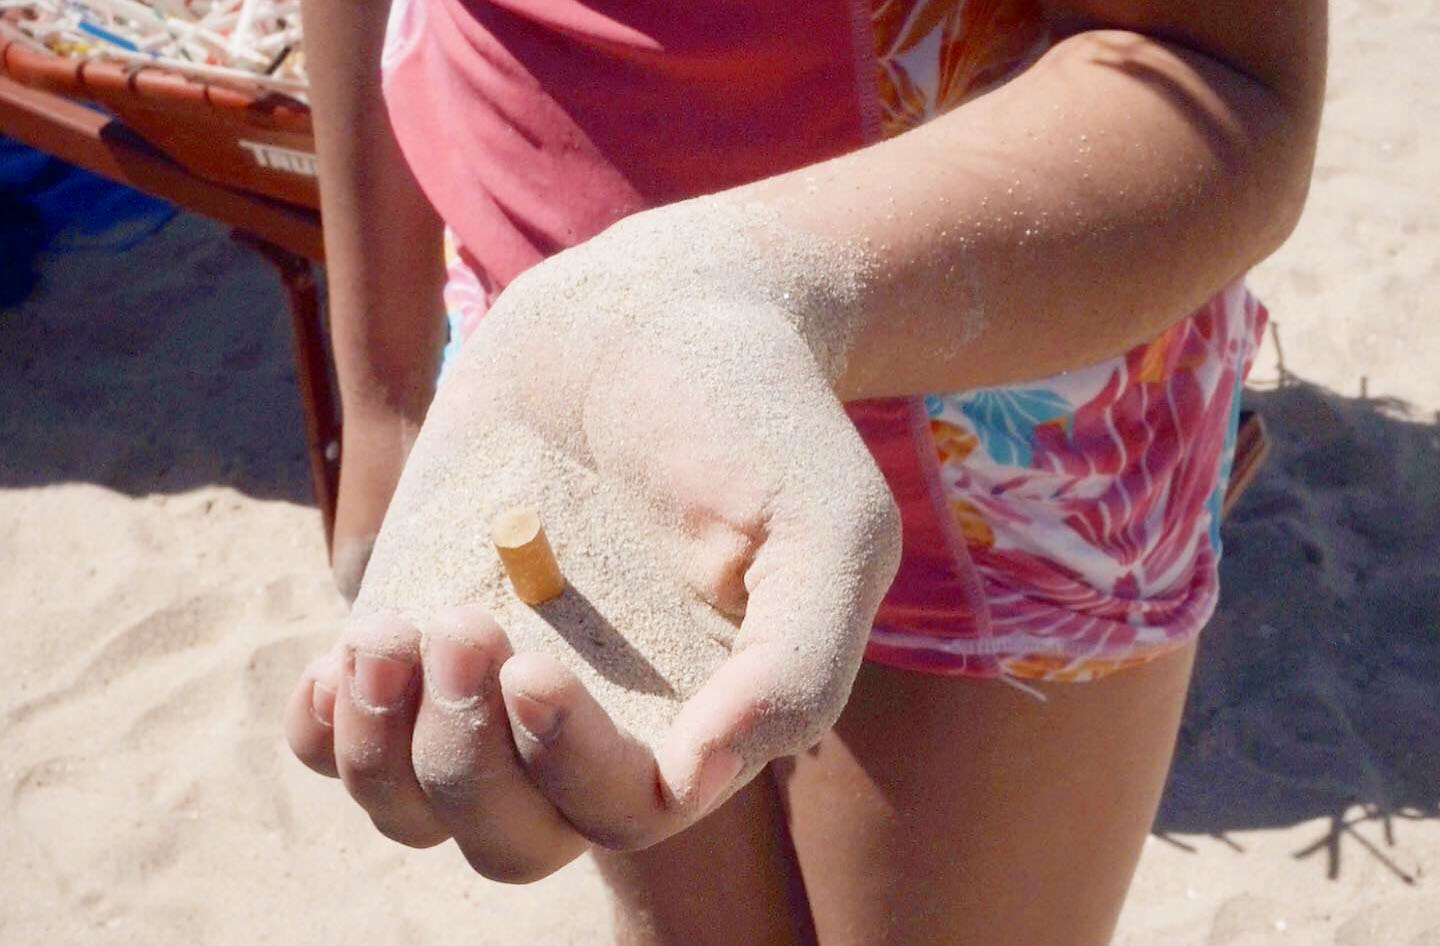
[156, 370]
[1317, 688]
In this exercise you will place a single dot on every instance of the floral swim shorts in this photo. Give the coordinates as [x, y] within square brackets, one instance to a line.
[1089, 504]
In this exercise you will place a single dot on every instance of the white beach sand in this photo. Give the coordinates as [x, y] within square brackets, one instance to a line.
[162, 581]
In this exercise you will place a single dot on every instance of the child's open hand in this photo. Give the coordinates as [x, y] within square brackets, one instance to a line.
[656, 370]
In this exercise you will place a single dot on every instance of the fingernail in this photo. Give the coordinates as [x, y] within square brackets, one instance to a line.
[716, 774]
[381, 682]
[455, 671]
[541, 721]
[322, 703]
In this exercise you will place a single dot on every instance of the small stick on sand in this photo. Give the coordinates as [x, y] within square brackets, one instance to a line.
[526, 555]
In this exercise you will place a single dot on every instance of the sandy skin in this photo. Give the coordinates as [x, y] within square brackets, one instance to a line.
[720, 582]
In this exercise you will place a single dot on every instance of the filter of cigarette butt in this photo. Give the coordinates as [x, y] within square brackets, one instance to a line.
[525, 553]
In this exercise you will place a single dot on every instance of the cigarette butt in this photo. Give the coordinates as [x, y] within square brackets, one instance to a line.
[526, 555]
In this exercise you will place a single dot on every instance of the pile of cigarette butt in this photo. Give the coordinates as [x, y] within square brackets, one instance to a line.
[237, 42]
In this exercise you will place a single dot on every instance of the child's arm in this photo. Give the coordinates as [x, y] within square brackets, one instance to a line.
[383, 264]
[1151, 162]
[1153, 155]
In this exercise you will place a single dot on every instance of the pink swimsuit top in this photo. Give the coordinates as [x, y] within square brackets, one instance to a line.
[534, 124]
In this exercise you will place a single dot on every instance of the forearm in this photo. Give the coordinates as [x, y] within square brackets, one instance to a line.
[1081, 209]
[382, 238]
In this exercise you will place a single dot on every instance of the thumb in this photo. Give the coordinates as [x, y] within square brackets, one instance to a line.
[814, 587]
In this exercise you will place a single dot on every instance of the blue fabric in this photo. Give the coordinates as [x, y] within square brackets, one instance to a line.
[46, 204]
[1005, 419]
[78, 210]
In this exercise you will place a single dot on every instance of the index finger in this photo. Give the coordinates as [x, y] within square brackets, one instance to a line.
[604, 781]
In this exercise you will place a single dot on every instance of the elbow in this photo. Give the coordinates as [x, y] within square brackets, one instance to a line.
[1296, 97]
[1286, 164]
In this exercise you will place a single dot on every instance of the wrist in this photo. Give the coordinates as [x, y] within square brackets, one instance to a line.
[386, 372]
[383, 424]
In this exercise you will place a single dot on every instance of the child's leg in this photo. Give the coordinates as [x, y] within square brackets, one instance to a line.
[728, 880]
[964, 811]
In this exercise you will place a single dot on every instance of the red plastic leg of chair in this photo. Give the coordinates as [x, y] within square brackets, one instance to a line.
[312, 372]
[1252, 448]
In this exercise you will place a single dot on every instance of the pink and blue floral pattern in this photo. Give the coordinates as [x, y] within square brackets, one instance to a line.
[1090, 503]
